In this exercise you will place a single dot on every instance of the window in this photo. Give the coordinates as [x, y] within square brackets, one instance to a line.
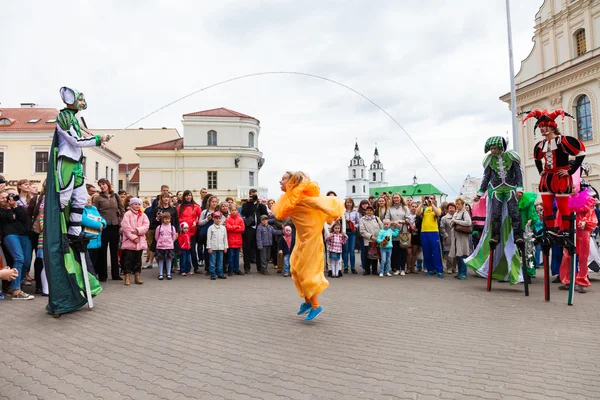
[1, 162]
[353, 189]
[106, 173]
[374, 176]
[251, 178]
[51, 121]
[120, 184]
[112, 175]
[382, 176]
[212, 180]
[4, 121]
[354, 173]
[211, 139]
[251, 139]
[84, 165]
[41, 161]
[580, 41]
[33, 121]
[584, 118]
[364, 190]
[362, 173]
[97, 171]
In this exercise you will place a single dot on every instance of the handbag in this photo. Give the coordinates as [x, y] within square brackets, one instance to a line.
[405, 239]
[350, 227]
[373, 251]
[463, 229]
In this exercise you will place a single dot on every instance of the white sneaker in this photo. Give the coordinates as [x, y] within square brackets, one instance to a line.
[397, 272]
[381, 275]
[402, 273]
[388, 274]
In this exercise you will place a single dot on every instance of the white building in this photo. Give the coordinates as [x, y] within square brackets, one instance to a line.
[562, 72]
[218, 151]
[357, 184]
[469, 188]
[376, 172]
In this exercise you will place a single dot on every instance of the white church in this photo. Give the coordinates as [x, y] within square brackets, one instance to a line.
[360, 180]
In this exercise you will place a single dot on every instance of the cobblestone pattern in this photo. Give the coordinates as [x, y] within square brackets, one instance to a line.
[412, 337]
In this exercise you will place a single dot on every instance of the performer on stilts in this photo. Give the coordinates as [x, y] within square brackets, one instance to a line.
[531, 225]
[66, 196]
[502, 233]
[301, 201]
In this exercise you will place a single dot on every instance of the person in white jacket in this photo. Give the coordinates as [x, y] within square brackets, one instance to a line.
[216, 243]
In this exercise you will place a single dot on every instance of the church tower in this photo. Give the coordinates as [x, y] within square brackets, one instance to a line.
[357, 184]
[376, 172]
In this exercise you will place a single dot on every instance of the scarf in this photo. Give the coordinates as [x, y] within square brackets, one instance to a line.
[288, 240]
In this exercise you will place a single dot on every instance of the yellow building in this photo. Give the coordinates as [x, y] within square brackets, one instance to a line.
[25, 140]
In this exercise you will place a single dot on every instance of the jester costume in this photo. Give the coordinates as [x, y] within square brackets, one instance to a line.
[552, 156]
[66, 196]
[531, 225]
[503, 178]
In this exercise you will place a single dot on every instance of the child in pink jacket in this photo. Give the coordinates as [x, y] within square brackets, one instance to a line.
[134, 226]
[165, 236]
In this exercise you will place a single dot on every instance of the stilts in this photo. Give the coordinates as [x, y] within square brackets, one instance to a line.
[491, 265]
[524, 268]
[570, 246]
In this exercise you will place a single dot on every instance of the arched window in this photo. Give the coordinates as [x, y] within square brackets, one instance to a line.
[580, 42]
[211, 138]
[251, 139]
[584, 118]
[374, 176]
[353, 189]
[353, 173]
[362, 173]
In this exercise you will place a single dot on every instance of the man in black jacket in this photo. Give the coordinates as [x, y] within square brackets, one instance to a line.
[251, 212]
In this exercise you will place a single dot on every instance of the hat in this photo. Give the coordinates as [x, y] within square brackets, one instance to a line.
[497, 141]
[369, 207]
[263, 217]
[135, 200]
[544, 118]
[184, 225]
[217, 214]
[287, 228]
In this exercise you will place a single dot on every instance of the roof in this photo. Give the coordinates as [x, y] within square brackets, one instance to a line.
[136, 176]
[220, 112]
[45, 119]
[174, 144]
[124, 167]
[422, 189]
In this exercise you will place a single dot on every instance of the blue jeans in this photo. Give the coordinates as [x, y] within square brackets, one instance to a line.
[363, 253]
[348, 250]
[432, 251]
[19, 247]
[185, 263]
[286, 264]
[234, 259]
[386, 260]
[538, 256]
[462, 267]
[216, 262]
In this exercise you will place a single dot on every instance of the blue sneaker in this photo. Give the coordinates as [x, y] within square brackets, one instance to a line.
[1, 296]
[304, 308]
[431, 273]
[441, 275]
[314, 312]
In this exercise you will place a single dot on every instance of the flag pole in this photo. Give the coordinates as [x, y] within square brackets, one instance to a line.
[513, 92]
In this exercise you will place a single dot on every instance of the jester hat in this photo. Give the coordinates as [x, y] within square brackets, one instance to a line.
[498, 141]
[545, 118]
[70, 96]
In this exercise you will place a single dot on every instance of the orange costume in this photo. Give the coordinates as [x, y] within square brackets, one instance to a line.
[308, 211]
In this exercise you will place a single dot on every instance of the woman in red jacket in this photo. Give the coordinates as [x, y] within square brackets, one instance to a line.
[235, 228]
[189, 212]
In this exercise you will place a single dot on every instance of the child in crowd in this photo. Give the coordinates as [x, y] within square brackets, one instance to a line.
[185, 244]
[92, 224]
[384, 239]
[286, 245]
[335, 243]
[235, 228]
[165, 235]
[216, 243]
[134, 226]
[264, 241]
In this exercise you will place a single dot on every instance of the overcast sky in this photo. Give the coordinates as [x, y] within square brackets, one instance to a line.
[438, 67]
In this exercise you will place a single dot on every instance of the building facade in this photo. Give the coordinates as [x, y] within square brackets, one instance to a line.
[218, 151]
[415, 191]
[357, 184]
[469, 188]
[562, 72]
[25, 140]
[376, 172]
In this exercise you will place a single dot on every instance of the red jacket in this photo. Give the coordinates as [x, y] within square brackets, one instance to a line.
[184, 240]
[191, 215]
[235, 228]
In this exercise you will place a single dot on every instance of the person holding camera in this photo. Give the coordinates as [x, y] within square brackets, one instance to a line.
[251, 212]
[430, 236]
[15, 236]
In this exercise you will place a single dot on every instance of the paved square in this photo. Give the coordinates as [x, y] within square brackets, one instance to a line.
[412, 337]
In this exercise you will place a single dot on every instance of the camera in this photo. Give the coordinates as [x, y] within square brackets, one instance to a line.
[14, 197]
[254, 197]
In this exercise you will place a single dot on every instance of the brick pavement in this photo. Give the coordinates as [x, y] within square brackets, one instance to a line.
[412, 337]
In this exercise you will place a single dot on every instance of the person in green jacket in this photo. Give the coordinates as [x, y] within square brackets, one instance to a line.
[531, 225]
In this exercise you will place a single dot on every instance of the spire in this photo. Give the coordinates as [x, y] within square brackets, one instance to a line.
[415, 180]
[356, 150]
[376, 153]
